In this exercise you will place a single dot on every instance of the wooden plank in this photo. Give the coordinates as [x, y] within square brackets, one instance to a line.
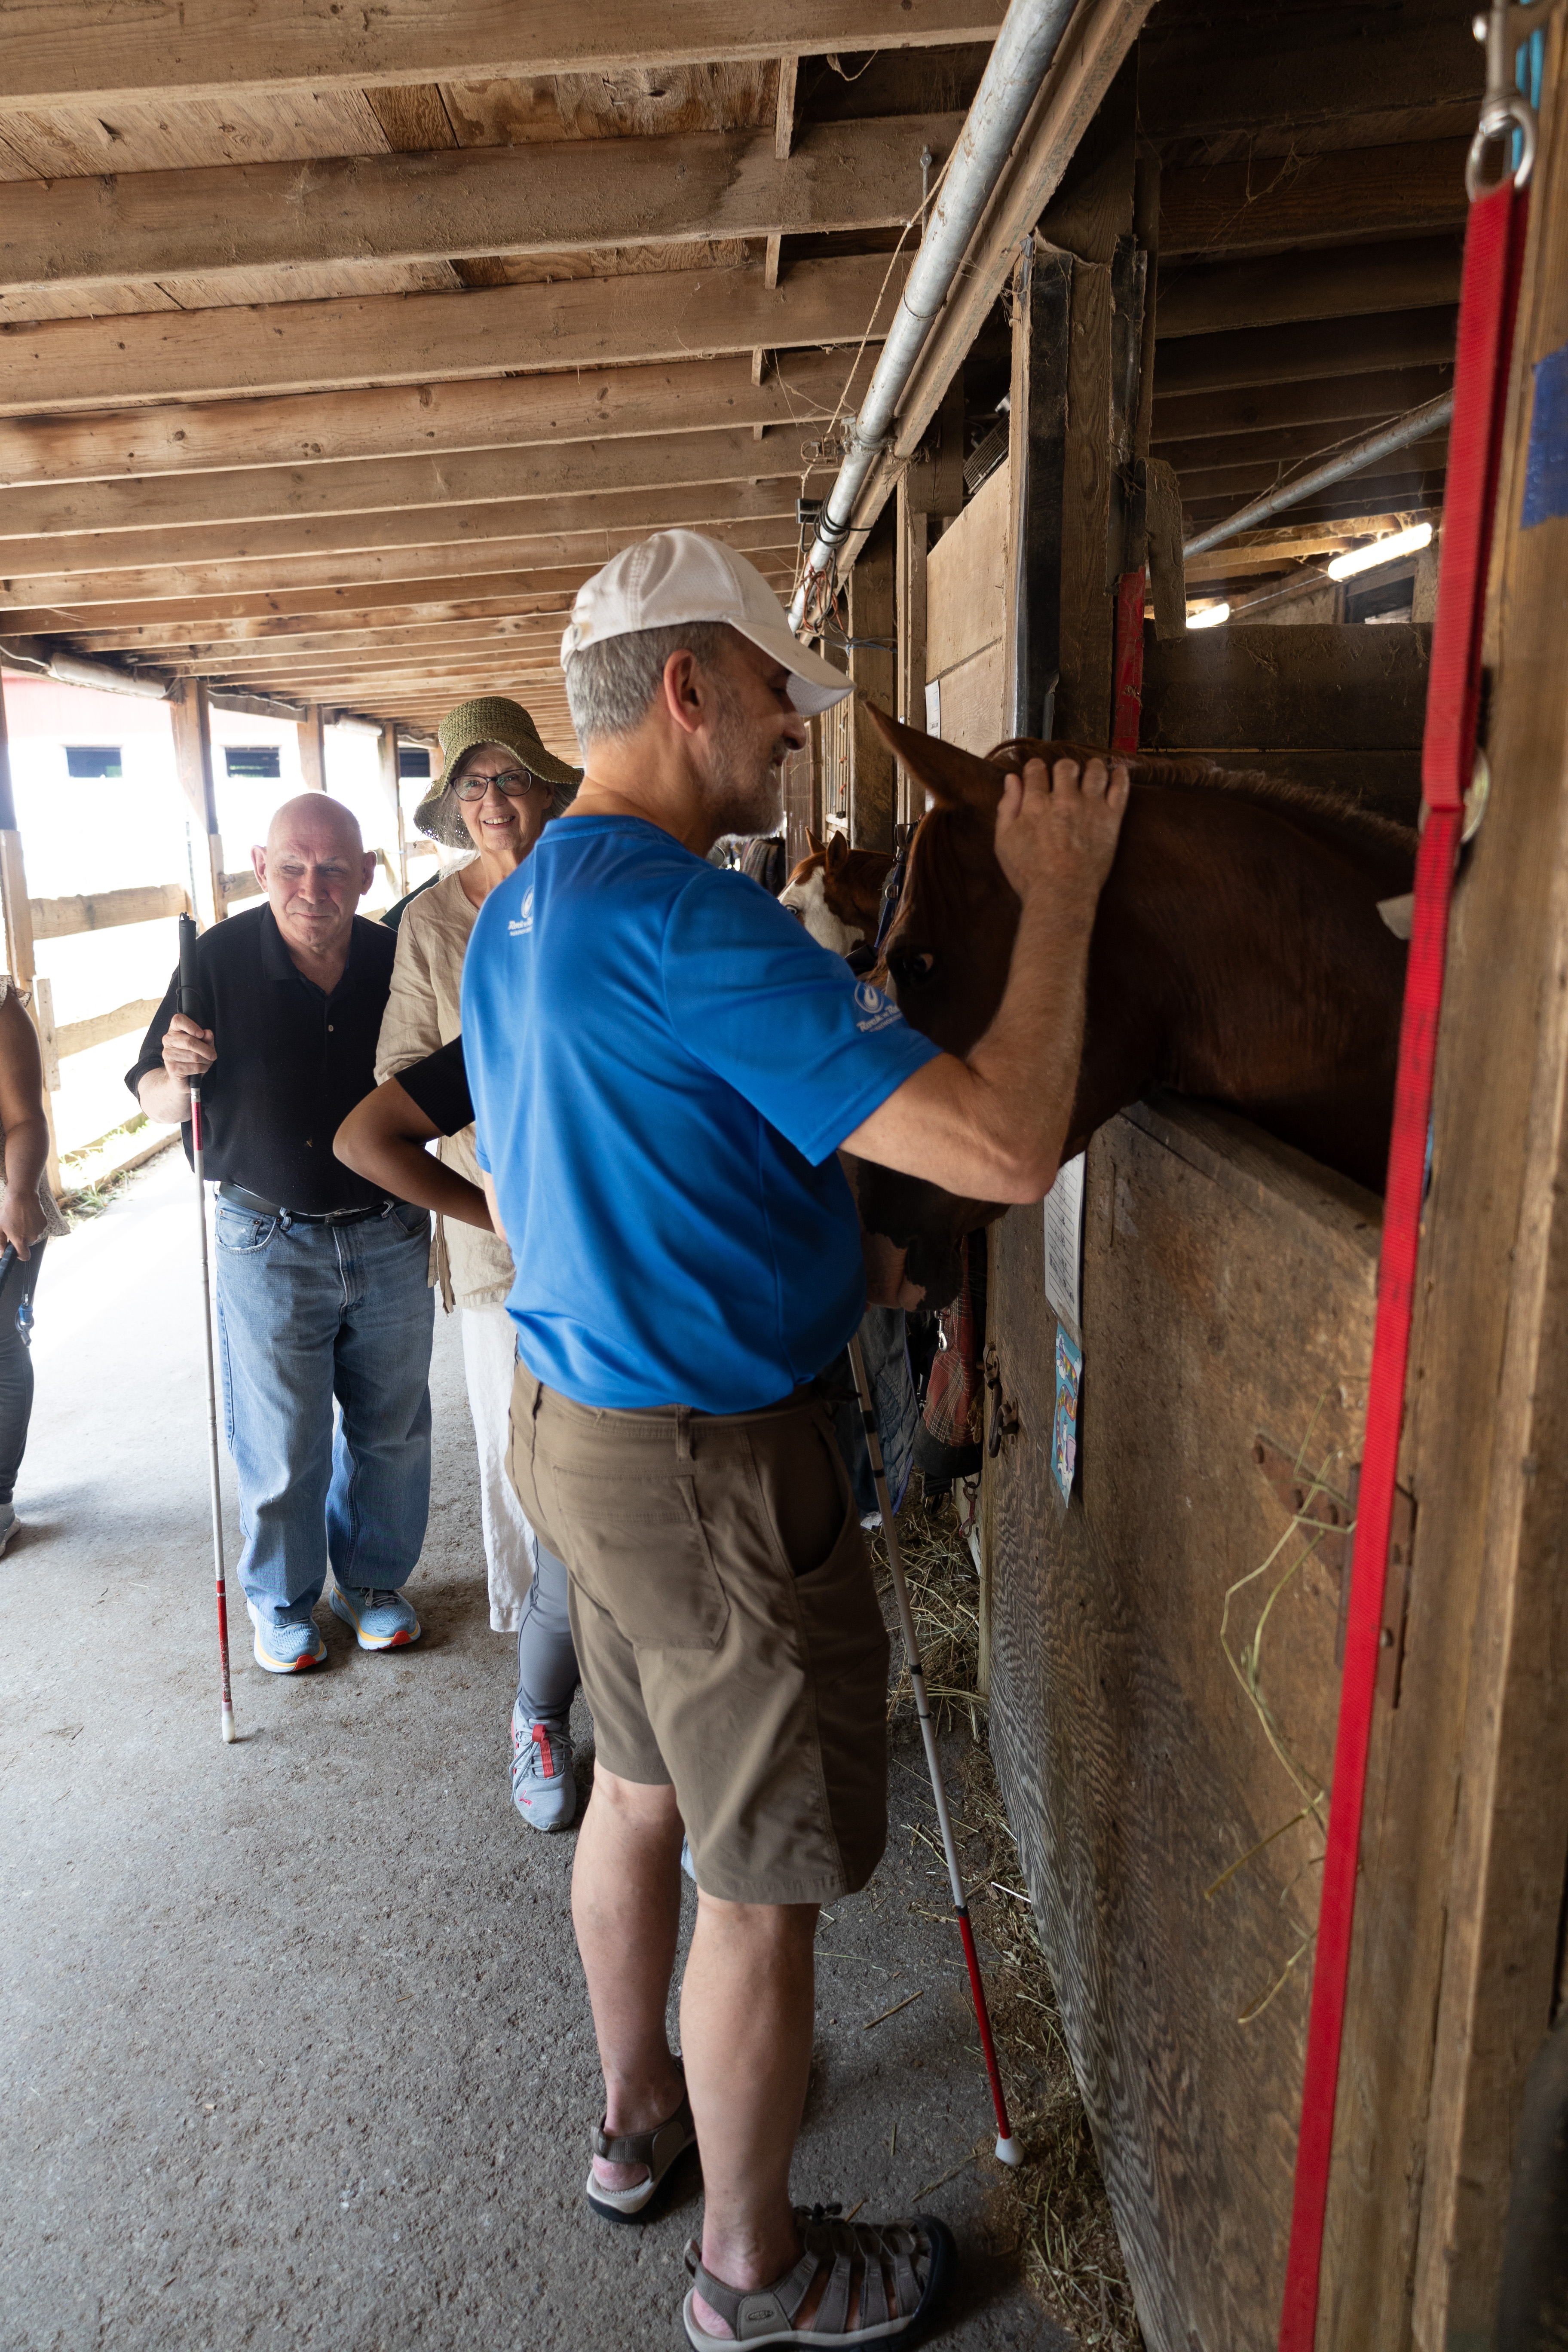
[561, 197]
[1319, 687]
[1284, 70]
[340, 539]
[81, 1037]
[242, 885]
[190, 719]
[1347, 399]
[290, 495]
[966, 579]
[1306, 200]
[312, 751]
[426, 419]
[90, 53]
[913, 528]
[1036, 469]
[289, 347]
[873, 666]
[1349, 281]
[1304, 353]
[1227, 1291]
[59, 919]
[404, 571]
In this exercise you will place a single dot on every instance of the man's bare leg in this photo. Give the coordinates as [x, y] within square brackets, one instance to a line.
[625, 1908]
[745, 2030]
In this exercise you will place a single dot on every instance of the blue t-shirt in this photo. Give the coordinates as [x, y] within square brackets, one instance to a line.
[663, 1063]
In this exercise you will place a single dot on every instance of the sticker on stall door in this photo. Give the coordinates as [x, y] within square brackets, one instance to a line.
[1546, 460]
[1064, 1429]
[1064, 1244]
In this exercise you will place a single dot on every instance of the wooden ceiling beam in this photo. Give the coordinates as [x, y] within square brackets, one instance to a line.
[1272, 452]
[1308, 200]
[407, 567]
[1231, 487]
[94, 52]
[1214, 75]
[63, 364]
[1302, 353]
[203, 632]
[566, 195]
[1345, 281]
[1348, 400]
[452, 528]
[370, 646]
[425, 419]
[292, 498]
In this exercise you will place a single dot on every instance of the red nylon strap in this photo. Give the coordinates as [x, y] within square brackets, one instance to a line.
[1493, 250]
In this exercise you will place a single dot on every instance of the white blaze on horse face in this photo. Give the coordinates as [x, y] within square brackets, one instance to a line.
[808, 900]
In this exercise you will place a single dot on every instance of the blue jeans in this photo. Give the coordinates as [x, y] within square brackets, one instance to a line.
[306, 1313]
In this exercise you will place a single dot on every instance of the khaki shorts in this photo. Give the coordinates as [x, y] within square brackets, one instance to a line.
[727, 1628]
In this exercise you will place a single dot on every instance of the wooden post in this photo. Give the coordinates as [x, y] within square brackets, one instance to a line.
[873, 666]
[20, 957]
[1037, 451]
[912, 528]
[313, 750]
[192, 718]
[391, 784]
[1461, 1890]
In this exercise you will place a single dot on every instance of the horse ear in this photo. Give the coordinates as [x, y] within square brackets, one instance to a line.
[838, 851]
[811, 843]
[954, 778]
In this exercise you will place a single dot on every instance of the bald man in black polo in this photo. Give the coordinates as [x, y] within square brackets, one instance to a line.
[322, 1287]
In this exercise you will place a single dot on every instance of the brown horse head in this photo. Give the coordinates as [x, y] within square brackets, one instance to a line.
[1238, 954]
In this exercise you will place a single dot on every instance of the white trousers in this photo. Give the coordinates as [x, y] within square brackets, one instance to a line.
[489, 1356]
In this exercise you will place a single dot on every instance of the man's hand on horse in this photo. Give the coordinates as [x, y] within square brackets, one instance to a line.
[189, 1051]
[1057, 829]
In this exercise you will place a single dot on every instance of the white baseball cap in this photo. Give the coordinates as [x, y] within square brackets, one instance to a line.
[679, 576]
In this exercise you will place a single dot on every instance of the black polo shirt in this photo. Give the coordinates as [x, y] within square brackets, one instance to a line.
[291, 1061]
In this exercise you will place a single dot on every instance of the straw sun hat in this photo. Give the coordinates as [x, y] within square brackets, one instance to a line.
[488, 718]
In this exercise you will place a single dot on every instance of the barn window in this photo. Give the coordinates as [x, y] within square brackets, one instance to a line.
[411, 762]
[835, 724]
[93, 760]
[255, 762]
[1388, 600]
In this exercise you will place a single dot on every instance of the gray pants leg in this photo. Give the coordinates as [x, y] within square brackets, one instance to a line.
[546, 1659]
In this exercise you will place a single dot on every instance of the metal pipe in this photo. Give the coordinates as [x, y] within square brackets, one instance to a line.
[1415, 426]
[1031, 32]
[33, 658]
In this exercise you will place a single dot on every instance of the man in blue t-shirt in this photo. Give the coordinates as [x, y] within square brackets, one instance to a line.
[664, 1066]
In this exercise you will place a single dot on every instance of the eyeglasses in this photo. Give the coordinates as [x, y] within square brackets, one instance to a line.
[515, 782]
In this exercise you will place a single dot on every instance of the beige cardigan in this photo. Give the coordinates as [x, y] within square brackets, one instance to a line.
[422, 1012]
[54, 1221]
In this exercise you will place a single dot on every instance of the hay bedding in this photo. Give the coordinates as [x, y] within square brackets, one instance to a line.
[1052, 2216]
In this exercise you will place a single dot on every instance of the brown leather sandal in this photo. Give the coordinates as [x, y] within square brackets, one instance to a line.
[862, 2254]
[658, 2149]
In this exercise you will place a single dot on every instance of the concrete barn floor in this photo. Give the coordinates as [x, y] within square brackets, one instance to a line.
[296, 2048]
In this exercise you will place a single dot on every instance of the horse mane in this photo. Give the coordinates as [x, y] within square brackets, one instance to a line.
[1327, 810]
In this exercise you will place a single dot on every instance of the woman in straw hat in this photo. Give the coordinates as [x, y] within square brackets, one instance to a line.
[499, 788]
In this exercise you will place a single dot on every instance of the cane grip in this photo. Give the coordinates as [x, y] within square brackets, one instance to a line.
[190, 985]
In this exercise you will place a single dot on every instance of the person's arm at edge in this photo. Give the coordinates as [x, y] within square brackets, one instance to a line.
[384, 1138]
[22, 1116]
[489, 1181]
[990, 1127]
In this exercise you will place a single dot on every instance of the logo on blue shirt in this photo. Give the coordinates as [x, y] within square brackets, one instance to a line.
[873, 1011]
[524, 922]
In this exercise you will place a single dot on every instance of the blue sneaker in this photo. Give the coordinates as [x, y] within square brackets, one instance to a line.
[286, 1649]
[542, 1788]
[382, 1621]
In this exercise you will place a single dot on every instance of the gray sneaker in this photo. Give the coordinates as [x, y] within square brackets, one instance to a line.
[542, 1788]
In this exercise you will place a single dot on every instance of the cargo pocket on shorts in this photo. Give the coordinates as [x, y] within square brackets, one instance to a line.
[638, 1548]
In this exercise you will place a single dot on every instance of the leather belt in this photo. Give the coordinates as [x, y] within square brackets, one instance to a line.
[261, 1208]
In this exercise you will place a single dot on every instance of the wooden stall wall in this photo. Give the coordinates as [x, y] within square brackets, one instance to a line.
[967, 595]
[1163, 1682]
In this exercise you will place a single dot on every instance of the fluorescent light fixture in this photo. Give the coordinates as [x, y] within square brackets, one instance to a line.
[1211, 617]
[1381, 551]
